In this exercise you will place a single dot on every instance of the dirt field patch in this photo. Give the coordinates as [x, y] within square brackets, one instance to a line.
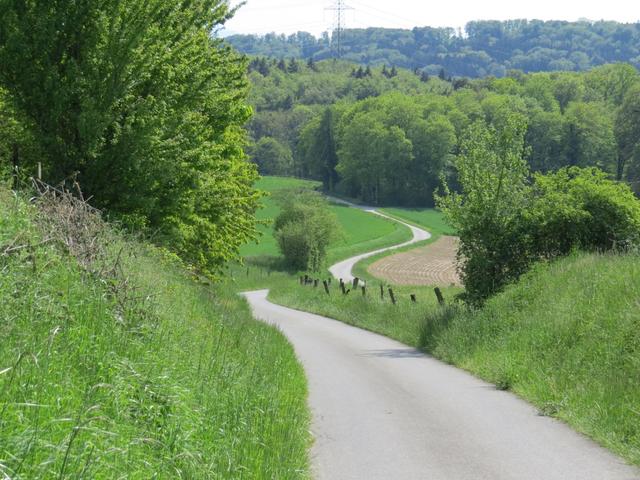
[430, 265]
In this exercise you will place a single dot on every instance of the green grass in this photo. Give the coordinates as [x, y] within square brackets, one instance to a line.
[428, 218]
[266, 244]
[566, 338]
[183, 383]
[402, 321]
[361, 231]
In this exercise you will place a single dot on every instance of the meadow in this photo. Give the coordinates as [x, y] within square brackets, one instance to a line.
[360, 231]
[152, 375]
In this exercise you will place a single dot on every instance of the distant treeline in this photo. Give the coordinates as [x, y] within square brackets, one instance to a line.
[388, 135]
[485, 47]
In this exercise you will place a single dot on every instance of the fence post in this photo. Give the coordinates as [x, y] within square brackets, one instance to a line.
[439, 296]
[342, 287]
[381, 292]
[364, 291]
[413, 298]
[326, 286]
[315, 283]
[393, 297]
[356, 280]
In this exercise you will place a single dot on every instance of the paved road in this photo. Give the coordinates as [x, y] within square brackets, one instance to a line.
[382, 410]
[342, 270]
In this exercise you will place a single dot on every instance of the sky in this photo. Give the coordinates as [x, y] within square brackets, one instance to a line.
[290, 16]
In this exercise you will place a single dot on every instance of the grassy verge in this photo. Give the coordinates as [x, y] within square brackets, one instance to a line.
[180, 383]
[403, 321]
[566, 338]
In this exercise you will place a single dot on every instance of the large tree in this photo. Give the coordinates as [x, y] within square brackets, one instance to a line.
[137, 100]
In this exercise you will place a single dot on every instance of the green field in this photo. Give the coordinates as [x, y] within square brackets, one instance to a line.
[157, 377]
[266, 244]
[428, 218]
[361, 231]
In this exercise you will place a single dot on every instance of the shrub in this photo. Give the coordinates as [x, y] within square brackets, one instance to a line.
[506, 222]
[304, 229]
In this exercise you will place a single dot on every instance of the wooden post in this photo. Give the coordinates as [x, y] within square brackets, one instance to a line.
[393, 297]
[326, 286]
[342, 287]
[306, 279]
[315, 283]
[329, 281]
[356, 280]
[364, 291]
[381, 292]
[39, 170]
[413, 298]
[301, 280]
[439, 296]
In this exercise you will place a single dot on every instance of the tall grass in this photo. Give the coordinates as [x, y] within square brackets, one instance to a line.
[183, 383]
[566, 337]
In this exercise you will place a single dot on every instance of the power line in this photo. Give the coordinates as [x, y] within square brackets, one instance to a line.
[339, 8]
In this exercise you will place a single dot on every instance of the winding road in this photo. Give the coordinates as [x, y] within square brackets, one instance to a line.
[342, 270]
[382, 410]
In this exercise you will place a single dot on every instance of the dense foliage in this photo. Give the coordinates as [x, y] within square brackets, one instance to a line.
[304, 229]
[506, 222]
[139, 103]
[486, 48]
[389, 138]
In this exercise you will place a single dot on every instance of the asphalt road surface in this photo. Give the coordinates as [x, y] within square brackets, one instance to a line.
[382, 410]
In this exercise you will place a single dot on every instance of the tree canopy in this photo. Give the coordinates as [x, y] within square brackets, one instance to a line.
[138, 102]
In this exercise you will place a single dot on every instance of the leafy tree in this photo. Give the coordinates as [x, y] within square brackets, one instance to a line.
[141, 104]
[487, 212]
[304, 229]
[590, 137]
[627, 131]
[272, 157]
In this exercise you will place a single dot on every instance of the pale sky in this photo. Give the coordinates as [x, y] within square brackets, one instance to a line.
[289, 16]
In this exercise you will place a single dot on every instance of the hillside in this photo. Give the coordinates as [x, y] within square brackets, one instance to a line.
[484, 48]
[117, 363]
[566, 338]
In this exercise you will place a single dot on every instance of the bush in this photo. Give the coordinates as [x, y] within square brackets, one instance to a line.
[506, 222]
[582, 208]
[304, 229]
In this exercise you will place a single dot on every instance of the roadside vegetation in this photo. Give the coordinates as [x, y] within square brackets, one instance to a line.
[565, 337]
[115, 362]
[359, 231]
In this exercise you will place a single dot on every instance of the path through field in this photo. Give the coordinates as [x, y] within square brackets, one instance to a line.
[342, 270]
[382, 410]
[433, 264]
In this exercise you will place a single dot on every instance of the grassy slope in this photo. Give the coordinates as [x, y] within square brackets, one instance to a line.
[566, 338]
[428, 218]
[361, 231]
[184, 385]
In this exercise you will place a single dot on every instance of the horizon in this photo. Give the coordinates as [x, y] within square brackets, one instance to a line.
[312, 16]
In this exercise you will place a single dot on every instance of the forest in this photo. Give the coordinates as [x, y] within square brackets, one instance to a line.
[388, 136]
[483, 48]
